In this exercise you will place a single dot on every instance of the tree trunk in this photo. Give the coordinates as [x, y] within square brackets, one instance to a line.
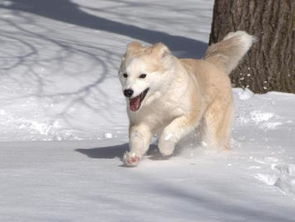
[270, 63]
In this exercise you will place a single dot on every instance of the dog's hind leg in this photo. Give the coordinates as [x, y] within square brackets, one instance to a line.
[140, 138]
[216, 127]
[176, 130]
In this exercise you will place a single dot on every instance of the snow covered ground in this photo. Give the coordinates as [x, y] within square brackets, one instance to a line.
[64, 128]
[59, 61]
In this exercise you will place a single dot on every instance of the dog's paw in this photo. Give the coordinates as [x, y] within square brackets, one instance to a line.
[166, 148]
[130, 159]
[166, 154]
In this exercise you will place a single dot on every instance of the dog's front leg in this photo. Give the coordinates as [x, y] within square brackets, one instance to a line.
[172, 133]
[139, 140]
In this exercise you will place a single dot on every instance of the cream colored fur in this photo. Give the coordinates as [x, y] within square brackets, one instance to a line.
[183, 94]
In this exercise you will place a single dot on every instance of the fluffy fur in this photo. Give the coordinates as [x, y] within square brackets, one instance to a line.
[181, 94]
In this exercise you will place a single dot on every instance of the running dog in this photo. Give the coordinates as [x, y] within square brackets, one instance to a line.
[170, 97]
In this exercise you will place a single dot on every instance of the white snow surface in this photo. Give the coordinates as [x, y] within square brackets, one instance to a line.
[64, 126]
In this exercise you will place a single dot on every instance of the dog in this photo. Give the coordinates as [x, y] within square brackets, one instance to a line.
[171, 97]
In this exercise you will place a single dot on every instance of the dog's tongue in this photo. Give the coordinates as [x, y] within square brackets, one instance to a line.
[135, 103]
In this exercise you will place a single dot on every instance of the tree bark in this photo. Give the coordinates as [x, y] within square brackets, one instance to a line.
[270, 63]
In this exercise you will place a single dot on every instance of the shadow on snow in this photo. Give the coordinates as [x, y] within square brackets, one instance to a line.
[70, 12]
[116, 151]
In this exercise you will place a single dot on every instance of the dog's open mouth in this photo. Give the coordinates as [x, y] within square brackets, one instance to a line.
[135, 102]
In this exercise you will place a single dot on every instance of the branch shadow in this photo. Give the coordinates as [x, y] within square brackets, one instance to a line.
[71, 13]
[23, 62]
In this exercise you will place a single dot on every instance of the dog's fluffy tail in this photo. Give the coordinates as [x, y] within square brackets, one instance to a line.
[227, 53]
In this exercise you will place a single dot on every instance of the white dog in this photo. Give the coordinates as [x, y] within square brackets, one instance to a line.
[170, 97]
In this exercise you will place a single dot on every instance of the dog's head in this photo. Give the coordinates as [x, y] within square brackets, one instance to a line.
[144, 73]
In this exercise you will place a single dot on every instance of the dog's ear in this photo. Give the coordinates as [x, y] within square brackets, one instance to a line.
[133, 47]
[161, 50]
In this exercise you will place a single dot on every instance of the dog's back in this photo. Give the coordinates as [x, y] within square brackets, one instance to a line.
[220, 59]
[211, 79]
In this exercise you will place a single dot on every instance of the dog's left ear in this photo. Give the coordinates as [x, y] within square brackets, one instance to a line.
[161, 50]
[133, 47]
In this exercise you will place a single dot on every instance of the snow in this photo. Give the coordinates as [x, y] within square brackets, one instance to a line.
[64, 126]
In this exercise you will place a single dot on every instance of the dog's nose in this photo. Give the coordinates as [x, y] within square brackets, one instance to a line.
[128, 92]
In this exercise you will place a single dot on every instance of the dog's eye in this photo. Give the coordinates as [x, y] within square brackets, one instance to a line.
[125, 75]
[142, 76]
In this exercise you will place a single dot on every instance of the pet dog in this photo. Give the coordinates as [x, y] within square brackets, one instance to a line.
[171, 97]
